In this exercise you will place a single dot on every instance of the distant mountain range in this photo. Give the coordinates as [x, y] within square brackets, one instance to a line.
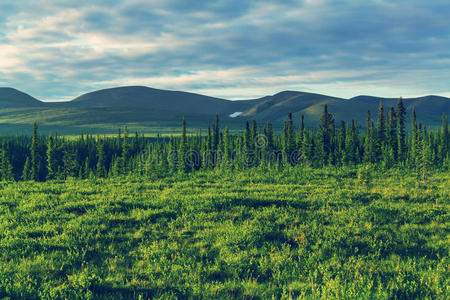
[154, 110]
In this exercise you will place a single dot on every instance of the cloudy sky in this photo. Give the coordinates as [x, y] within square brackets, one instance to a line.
[236, 49]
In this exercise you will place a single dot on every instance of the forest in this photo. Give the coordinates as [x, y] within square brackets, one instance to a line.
[386, 142]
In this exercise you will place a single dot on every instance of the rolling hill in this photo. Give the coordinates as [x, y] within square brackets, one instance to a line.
[140, 97]
[153, 110]
[12, 98]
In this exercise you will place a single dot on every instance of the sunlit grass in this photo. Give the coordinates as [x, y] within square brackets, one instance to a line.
[292, 233]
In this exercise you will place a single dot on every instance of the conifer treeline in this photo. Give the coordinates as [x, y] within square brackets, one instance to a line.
[385, 143]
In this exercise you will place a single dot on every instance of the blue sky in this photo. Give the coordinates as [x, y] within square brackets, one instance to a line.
[237, 49]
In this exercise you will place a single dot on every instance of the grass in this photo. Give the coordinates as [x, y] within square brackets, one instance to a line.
[74, 120]
[298, 233]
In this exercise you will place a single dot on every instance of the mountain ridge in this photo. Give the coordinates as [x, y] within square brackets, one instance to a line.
[147, 107]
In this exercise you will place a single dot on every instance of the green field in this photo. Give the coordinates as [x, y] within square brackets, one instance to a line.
[259, 233]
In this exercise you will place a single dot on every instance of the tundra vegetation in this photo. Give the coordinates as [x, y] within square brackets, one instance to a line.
[309, 213]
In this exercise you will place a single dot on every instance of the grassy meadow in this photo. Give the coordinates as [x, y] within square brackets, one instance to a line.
[259, 233]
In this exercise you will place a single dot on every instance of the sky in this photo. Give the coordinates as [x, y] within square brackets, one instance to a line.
[236, 49]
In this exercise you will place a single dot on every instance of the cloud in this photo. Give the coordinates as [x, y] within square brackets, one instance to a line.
[232, 49]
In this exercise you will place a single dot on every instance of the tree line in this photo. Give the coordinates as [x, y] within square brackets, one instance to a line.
[385, 143]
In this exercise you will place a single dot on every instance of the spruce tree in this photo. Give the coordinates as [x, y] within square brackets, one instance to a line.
[341, 141]
[326, 132]
[291, 140]
[269, 135]
[381, 130]
[6, 167]
[172, 155]
[391, 133]
[123, 165]
[253, 134]
[209, 150]
[300, 134]
[445, 139]
[247, 151]
[307, 148]
[184, 160]
[35, 154]
[227, 147]
[369, 141]
[26, 173]
[401, 144]
[415, 151]
[119, 140]
[70, 161]
[52, 158]
[101, 159]
[427, 158]
[86, 168]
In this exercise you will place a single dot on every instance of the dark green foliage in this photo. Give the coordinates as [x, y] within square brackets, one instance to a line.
[58, 157]
[52, 158]
[183, 154]
[101, 159]
[26, 172]
[401, 144]
[381, 131]
[35, 157]
[326, 136]
[370, 141]
[6, 173]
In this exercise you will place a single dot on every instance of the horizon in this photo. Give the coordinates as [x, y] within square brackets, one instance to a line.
[240, 99]
[227, 49]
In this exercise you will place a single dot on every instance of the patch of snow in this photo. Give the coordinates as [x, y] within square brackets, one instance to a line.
[235, 114]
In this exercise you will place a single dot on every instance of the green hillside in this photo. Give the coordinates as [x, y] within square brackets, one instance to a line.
[152, 110]
[10, 97]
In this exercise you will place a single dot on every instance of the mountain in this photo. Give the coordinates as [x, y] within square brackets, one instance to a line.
[13, 98]
[152, 110]
[278, 106]
[140, 97]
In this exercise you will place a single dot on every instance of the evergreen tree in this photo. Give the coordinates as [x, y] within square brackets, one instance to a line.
[215, 144]
[300, 134]
[253, 134]
[415, 148]
[35, 154]
[123, 164]
[172, 155]
[5, 160]
[226, 147]
[401, 144]
[445, 139]
[101, 159]
[86, 168]
[208, 154]
[369, 141]
[70, 162]
[349, 155]
[391, 133]
[291, 140]
[326, 131]
[26, 173]
[247, 151]
[184, 160]
[307, 148]
[426, 160]
[341, 141]
[381, 130]
[136, 147]
[119, 139]
[52, 158]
